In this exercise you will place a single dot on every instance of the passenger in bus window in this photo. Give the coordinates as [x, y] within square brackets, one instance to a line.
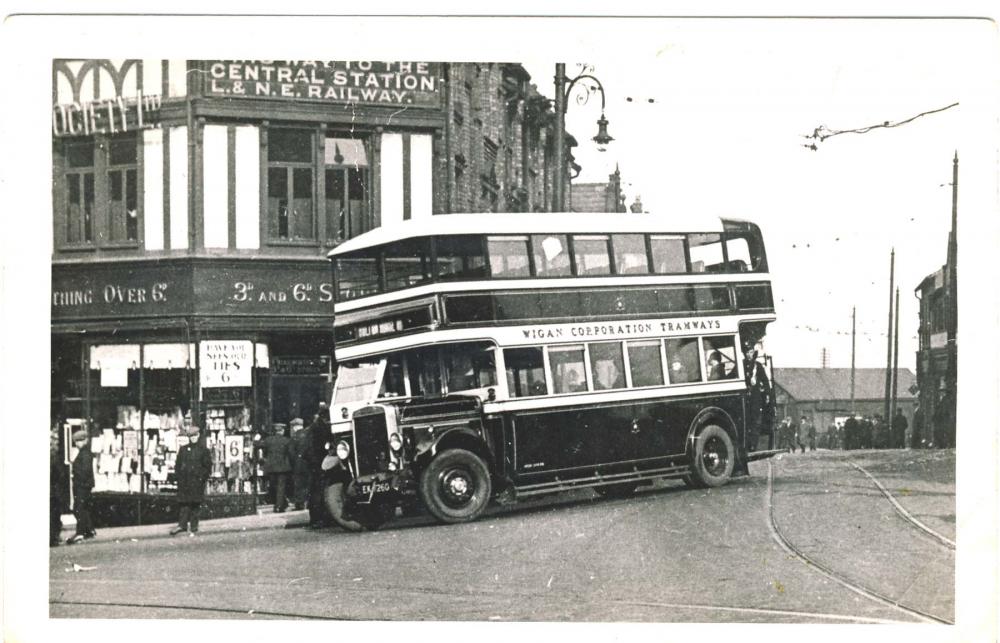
[685, 365]
[721, 358]
[716, 368]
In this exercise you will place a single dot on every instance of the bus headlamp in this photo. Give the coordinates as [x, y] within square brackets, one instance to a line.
[343, 450]
[395, 442]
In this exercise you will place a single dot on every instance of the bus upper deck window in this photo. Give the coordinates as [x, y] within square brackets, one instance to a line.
[551, 253]
[706, 252]
[407, 263]
[630, 254]
[668, 254]
[509, 256]
[592, 256]
[357, 277]
[744, 247]
[460, 257]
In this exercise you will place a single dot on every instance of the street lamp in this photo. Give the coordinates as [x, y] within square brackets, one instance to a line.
[563, 88]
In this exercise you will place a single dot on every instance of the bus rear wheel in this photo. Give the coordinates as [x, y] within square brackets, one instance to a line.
[713, 458]
[455, 487]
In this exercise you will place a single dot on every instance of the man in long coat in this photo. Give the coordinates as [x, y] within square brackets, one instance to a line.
[192, 468]
[278, 465]
[319, 438]
[83, 485]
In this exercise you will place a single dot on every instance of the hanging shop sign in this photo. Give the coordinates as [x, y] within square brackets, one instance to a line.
[107, 115]
[355, 82]
[304, 365]
[225, 363]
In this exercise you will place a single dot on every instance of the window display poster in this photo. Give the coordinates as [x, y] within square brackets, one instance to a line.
[114, 373]
[130, 441]
[234, 449]
[225, 363]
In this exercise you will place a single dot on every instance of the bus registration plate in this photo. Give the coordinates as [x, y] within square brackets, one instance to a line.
[379, 486]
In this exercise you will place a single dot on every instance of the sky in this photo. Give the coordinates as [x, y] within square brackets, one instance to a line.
[715, 125]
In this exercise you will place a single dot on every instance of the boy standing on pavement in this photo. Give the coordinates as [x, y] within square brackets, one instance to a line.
[194, 465]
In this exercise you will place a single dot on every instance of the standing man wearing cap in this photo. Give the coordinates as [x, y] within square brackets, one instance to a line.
[194, 465]
[299, 454]
[83, 484]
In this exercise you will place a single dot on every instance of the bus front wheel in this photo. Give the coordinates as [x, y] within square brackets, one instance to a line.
[455, 486]
[713, 458]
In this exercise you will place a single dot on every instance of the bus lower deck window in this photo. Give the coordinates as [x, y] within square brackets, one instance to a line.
[607, 365]
[720, 358]
[525, 371]
[644, 363]
[567, 368]
[683, 362]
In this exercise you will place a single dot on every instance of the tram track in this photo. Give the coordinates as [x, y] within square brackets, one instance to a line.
[832, 574]
[903, 513]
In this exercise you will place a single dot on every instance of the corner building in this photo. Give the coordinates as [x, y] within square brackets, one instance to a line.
[194, 204]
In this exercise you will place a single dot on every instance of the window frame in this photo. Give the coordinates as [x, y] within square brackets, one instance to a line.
[273, 238]
[331, 237]
[99, 170]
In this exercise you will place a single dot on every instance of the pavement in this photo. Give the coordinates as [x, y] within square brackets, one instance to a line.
[264, 519]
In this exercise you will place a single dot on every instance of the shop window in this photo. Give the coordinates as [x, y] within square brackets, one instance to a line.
[123, 177]
[509, 256]
[668, 254]
[644, 363]
[347, 180]
[290, 185]
[566, 366]
[683, 362]
[607, 366]
[79, 180]
[592, 255]
[551, 255]
[630, 254]
[720, 358]
[525, 371]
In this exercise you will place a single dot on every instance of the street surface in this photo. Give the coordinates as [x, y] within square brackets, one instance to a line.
[819, 544]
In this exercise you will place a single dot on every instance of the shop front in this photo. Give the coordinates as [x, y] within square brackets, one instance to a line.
[141, 349]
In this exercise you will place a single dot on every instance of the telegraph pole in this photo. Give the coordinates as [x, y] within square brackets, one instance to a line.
[854, 320]
[888, 335]
[895, 363]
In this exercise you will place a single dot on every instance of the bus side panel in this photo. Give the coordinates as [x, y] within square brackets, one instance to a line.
[577, 442]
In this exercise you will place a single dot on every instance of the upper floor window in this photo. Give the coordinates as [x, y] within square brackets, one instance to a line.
[346, 187]
[79, 161]
[123, 187]
[290, 183]
[630, 254]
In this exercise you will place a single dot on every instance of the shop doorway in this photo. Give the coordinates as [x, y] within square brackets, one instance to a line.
[295, 397]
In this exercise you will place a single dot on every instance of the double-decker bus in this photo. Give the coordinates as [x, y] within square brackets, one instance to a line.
[520, 354]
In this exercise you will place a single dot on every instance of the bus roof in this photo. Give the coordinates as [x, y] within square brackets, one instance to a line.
[528, 223]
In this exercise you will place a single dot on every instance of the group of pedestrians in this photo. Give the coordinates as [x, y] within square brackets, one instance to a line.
[792, 436]
[291, 459]
[872, 432]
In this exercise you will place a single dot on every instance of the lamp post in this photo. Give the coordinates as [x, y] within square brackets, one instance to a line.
[563, 88]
